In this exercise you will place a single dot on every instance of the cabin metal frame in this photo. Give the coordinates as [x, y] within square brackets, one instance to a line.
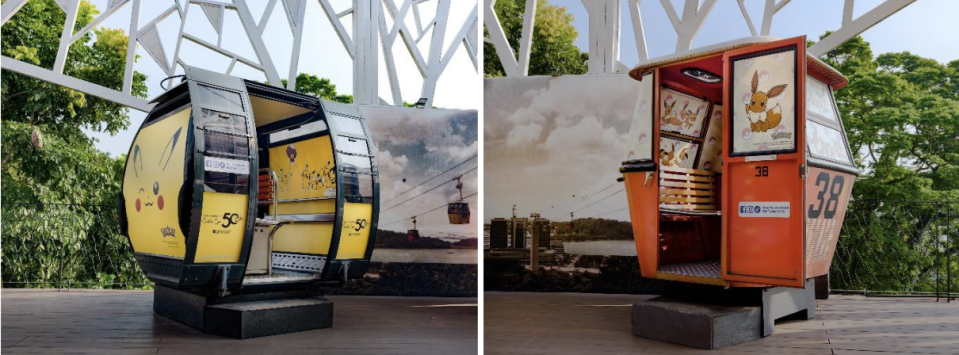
[189, 273]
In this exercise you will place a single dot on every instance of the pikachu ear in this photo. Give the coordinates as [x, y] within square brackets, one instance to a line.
[170, 147]
[755, 81]
[137, 161]
[776, 90]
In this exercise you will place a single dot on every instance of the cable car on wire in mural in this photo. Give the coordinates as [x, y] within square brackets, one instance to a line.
[197, 220]
[459, 211]
[738, 172]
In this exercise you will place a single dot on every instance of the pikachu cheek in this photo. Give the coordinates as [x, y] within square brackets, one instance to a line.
[138, 205]
[160, 202]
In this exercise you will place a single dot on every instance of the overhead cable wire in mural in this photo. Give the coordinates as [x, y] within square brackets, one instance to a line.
[437, 208]
[601, 200]
[582, 199]
[607, 213]
[431, 189]
[430, 179]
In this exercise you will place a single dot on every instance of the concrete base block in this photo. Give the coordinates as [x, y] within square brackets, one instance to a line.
[697, 325]
[246, 316]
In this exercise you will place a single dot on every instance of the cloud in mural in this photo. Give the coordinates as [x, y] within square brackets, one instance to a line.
[415, 145]
[547, 139]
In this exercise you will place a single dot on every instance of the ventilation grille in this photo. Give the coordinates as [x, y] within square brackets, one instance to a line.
[299, 262]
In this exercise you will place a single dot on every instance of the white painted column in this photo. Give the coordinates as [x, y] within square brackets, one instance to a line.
[366, 39]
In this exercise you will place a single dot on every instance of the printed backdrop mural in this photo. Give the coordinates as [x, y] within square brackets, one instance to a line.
[420, 152]
[554, 145]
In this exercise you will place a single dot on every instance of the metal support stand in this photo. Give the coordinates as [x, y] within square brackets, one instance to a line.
[244, 316]
[710, 317]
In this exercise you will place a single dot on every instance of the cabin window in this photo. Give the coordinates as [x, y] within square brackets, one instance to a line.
[359, 164]
[352, 145]
[358, 186]
[350, 126]
[305, 129]
[640, 144]
[220, 143]
[210, 96]
[223, 122]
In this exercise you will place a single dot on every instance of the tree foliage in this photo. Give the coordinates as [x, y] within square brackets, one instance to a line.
[55, 181]
[552, 52]
[901, 114]
[319, 87]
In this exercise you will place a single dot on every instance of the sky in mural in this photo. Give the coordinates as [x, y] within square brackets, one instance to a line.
[548, 152]
[419, 153]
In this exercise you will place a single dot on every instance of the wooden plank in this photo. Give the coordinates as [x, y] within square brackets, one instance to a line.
[688, 207]
[686, 177]
[582, 323]
[673, 169]
[686, 192]
[709, 201]
[686, 184]
[123, 322]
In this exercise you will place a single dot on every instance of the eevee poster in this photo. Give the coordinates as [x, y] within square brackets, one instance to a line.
[682, 114]
[765, 119]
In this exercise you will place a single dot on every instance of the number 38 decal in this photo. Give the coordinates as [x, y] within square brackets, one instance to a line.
[831, 202]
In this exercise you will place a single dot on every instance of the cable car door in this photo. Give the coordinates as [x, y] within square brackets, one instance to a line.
[762, 195]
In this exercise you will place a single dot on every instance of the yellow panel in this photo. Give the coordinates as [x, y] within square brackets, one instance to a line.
[151, 185]
[305, 207]
[356, 231]
[222, 227]
[304, 238]
[305, 169]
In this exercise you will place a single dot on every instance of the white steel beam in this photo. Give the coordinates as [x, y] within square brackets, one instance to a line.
[76, 84]
[857, 26]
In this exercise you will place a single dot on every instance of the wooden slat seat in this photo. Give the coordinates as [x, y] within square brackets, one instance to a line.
[692, 190]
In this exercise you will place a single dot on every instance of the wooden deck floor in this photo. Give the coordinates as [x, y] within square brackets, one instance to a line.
[91, 321]
[565, 323]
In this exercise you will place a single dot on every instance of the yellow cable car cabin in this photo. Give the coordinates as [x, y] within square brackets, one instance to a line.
[236, 186]
[738, 172]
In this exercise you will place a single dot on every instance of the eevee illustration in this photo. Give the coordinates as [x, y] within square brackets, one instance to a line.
[760, 119]
[670, 117]
[673, 157]
[688, 116]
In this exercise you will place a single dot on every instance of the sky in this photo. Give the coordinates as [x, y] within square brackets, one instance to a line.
[923, 28]
[322, 54]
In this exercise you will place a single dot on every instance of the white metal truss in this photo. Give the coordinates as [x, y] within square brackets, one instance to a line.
[369, 25]
[604, 29]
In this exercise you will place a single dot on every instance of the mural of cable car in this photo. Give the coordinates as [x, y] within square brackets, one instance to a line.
[459, 211]
[413, 235]
[738, 172]
[236, 186]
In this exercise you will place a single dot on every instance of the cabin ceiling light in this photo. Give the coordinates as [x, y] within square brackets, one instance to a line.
[701, 75]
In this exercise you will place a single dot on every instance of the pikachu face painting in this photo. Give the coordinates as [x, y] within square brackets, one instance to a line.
[151, 186]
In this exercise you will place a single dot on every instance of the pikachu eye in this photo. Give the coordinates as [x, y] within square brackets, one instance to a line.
[156, 188]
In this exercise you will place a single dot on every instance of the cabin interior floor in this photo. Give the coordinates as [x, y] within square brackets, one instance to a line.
[705, 268]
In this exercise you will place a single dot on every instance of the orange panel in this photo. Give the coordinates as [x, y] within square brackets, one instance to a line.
[762, 199]
[643, 199]
[827, 196]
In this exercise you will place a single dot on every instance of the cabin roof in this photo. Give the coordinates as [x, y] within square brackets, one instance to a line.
[834, 78]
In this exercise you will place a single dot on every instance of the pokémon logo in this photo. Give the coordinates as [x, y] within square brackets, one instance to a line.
[168, 232]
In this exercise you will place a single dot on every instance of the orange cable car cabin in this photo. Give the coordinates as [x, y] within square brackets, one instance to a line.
[738, 172]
